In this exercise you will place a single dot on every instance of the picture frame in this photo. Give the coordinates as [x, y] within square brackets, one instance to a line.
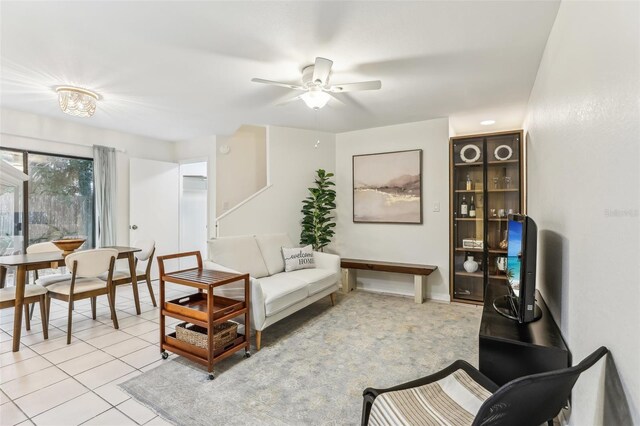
[387, 187]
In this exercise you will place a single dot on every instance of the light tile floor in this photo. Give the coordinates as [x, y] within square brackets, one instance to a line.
[51, 383]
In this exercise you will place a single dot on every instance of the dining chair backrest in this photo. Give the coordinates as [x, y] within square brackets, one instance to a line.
[146, 249]
[46, 247]
[91, 263]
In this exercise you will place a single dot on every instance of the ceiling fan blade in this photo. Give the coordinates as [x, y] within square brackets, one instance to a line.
[321, 70]
[284, 101]
[352, 87]
[334, 97]
[277, 83]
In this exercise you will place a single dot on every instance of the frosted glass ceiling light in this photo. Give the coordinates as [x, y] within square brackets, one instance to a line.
[315, 98]
[77, 102]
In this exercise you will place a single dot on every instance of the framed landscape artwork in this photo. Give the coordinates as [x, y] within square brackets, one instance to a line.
[387, 187]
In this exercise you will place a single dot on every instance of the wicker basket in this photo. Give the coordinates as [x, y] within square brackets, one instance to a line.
[197, 336]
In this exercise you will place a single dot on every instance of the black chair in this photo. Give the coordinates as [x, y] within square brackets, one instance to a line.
[529, 400]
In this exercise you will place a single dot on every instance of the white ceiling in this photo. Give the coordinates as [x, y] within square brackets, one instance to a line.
[178, 70]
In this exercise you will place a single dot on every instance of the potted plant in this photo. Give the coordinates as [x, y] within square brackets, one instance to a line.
[317, 222]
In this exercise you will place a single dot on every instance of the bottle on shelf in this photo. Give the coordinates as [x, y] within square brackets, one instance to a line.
[469, 183]
[464, 207]
[472, 208]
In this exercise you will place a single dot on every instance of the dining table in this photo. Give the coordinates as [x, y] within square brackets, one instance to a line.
[35, 261]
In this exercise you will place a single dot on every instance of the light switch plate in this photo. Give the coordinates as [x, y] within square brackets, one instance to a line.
[436, 207]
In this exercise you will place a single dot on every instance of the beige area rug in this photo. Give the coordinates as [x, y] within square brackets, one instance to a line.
[315, 364]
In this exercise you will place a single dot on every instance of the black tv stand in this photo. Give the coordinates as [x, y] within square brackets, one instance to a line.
[508, 349]
[503, 305]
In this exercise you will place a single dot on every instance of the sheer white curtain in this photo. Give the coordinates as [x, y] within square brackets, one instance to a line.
[104, 178]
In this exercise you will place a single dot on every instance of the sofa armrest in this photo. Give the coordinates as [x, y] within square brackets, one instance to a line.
[236, 291]
[327, 261]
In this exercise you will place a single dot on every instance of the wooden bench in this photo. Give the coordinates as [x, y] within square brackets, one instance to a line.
[419, 272]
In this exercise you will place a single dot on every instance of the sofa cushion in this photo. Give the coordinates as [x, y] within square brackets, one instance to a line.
[271, 249]
[317, 279]
[281, 291]
[239, 253]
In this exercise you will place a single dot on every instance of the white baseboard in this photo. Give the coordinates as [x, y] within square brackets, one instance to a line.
[436, 298]
[440, 298]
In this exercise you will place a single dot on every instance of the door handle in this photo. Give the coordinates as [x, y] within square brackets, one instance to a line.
[134, 227]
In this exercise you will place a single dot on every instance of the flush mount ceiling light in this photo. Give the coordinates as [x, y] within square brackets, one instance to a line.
[76, 101]
[488, 122]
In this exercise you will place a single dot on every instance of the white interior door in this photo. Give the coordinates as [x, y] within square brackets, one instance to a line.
[154, 191]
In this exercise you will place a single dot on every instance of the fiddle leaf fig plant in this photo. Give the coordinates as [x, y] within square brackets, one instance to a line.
[317, 222]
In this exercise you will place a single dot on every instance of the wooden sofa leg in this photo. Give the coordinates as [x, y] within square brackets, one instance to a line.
[258, 339]
[333, 299]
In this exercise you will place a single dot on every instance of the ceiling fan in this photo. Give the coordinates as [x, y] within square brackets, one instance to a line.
[316, 87]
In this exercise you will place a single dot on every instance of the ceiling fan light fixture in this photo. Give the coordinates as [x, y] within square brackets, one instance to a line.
[316, 89]
[315, 99]
[76, 101]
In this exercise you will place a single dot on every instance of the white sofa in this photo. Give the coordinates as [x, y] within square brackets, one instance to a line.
[275, 294]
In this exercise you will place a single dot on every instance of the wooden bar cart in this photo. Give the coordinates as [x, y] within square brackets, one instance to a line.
[202, 309]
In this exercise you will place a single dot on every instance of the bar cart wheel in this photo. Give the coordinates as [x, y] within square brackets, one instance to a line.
[211, 376]
[247, 354]
[165, 354]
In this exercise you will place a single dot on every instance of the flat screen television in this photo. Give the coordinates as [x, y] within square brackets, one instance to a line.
[522, 238]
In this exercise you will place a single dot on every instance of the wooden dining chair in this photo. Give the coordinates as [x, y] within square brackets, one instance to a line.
[123, 276]
[47, 247]
[55, 276]
[33, 293]
[85, 267]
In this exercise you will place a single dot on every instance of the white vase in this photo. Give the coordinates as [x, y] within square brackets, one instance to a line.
[470, 265]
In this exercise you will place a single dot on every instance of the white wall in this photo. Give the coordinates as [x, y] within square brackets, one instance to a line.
[58, 136]
[197, 149]
[242, 171]
[583, 158]
[292, 162]
[427, 243]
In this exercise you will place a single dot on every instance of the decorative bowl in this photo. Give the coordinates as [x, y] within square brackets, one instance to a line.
[470, 157]
[69, 245]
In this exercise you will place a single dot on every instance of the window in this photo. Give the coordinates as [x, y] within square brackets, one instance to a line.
[60, 202]
[12, 208]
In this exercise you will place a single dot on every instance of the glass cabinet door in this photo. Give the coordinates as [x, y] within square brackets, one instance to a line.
[503, 198]
[468, 182]
[486, 186]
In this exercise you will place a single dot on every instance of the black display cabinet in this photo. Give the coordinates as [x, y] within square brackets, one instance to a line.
[486, 184]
